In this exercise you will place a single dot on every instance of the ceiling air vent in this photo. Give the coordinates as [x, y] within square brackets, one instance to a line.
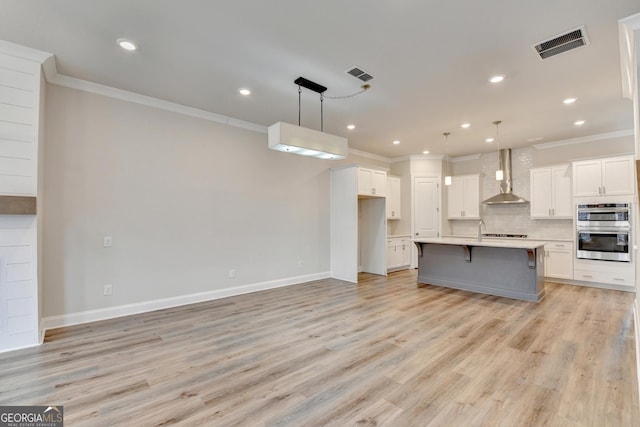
[562, 43]
[359, 74]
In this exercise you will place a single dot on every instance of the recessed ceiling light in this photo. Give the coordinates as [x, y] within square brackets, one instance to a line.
[489, 140]
[497, 78]
[425, 152]
[244, 91]
[465, 125]
[579, 122]
[126, 44]
[351, 127]
[396, 142]
[534, 139]
[570, 100]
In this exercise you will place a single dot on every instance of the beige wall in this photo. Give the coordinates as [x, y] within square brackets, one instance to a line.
[184, 199]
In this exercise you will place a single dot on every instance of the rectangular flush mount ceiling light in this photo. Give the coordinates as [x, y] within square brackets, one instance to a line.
[307, 142]
[304, 141]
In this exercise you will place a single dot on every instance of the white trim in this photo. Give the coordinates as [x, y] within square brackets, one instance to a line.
[20, 348]
[24, 52]
[417, 157]
[465, 158]
[628, 54]
[123, 95]
[159, 304]
[368, 155]
[636, 326]
[583, 139]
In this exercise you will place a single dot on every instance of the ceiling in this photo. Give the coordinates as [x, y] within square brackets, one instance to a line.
[431, 62]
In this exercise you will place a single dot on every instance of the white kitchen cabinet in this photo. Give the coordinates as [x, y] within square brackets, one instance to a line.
[606, 274]
[551, 192]
[398, 253]
[405, 259]
[558, 260]
[464, 197]
[372, 182]
[393, 197]
[358, 227]
[613, 176]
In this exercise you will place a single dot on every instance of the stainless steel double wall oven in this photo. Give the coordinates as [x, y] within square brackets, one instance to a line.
[604, 231]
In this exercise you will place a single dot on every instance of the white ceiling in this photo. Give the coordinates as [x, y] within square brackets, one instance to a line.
[431, 62]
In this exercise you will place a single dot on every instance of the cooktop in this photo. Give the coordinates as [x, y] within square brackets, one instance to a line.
[507, 235]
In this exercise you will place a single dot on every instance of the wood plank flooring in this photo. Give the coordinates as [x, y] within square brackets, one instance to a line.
[384, 352]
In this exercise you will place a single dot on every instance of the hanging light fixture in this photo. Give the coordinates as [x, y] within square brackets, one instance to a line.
[304, 141]
[447, 177]
[499, 172]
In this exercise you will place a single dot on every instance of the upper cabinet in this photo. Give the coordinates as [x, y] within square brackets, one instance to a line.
[551, 192]
[372, 182]
[612, 176]
[393, 197]
[464, 197]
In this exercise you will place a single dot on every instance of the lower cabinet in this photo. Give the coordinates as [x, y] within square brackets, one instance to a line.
[621, 274]
[558, 261]
[398, 253]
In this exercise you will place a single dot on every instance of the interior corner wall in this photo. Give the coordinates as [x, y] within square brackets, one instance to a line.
[185, 201]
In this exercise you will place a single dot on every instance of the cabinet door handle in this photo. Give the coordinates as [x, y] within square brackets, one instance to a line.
[604, 190]
[618, 279]
[599, 190]
[373, 191]
[587, 275]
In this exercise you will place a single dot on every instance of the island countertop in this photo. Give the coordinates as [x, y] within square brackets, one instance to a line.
[494, 243]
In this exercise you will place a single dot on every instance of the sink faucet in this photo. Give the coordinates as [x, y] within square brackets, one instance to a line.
[480, 224]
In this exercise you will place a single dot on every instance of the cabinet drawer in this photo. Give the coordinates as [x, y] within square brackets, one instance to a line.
[624, 278]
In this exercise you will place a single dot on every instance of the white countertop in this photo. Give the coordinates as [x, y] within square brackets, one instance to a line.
[465, 241]
[536, 239]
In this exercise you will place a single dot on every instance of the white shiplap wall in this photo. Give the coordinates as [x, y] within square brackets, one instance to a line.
[20, 92]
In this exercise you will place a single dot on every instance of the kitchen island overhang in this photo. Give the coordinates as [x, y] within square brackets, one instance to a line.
[512, 269]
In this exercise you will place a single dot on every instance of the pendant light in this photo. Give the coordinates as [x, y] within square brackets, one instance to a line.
[447, 177]
[304, 141]
[499, 172]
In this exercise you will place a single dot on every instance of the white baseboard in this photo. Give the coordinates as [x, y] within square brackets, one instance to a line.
[636, 326]
[159, 304]
[611, 287]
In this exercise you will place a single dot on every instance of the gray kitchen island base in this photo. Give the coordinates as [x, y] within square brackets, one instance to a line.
[494, 269]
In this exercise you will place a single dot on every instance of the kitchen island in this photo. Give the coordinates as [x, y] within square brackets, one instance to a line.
[507, 268]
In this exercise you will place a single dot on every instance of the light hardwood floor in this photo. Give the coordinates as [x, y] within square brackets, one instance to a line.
[384, 352]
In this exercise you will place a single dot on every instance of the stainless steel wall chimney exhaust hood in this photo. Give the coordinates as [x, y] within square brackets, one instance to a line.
[506, 196]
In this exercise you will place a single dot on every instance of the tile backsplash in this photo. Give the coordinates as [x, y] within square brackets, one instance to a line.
[513, 219]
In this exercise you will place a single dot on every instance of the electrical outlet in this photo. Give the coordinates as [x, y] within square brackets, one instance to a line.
[107, 241]
[108, 290]
[232, 274]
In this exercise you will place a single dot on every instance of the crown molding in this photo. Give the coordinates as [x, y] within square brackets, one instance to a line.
[583, 139]
[465, 158]
[417, 157]
[53, 77]
[368, 155]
